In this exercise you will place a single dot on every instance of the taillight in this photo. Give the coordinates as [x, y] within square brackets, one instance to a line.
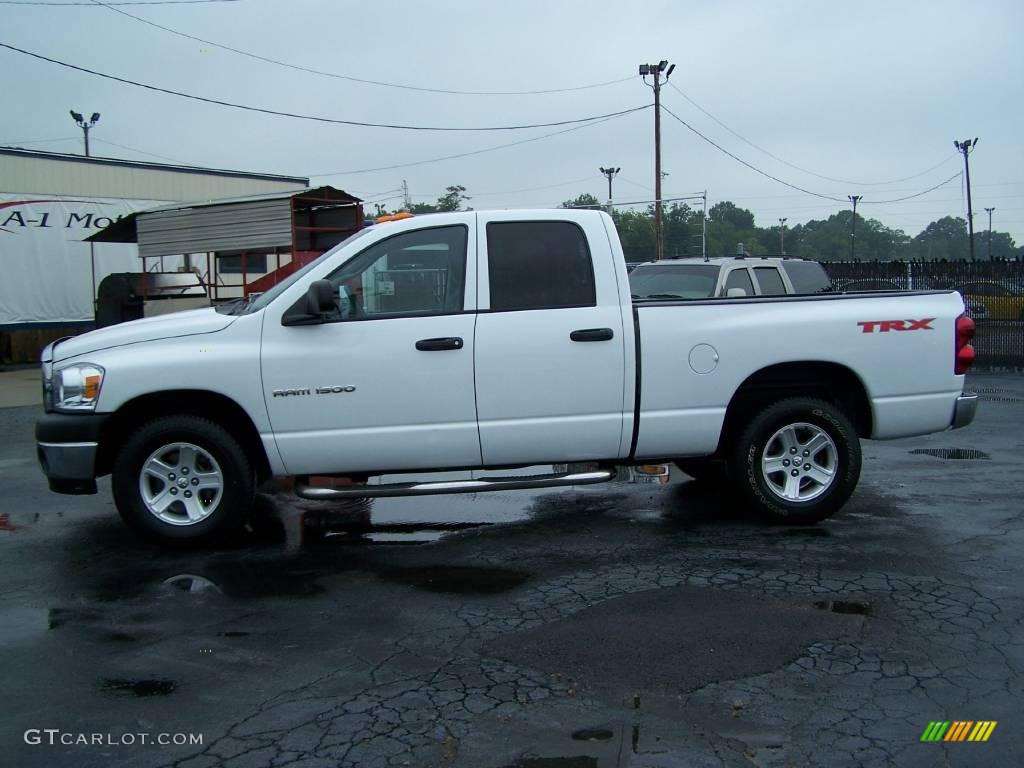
[964, 351]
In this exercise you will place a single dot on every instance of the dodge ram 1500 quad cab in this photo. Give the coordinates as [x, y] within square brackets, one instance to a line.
[485, 340]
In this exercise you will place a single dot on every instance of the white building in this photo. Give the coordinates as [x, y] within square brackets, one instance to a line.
[50, 202]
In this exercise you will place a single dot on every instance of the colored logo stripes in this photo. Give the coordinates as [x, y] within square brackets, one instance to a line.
[959, 730]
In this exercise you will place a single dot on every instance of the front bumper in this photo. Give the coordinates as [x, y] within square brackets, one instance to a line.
[66, 445]
[964, 409]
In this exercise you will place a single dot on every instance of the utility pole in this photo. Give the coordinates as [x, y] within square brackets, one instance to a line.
[965, 147]
[704, 226]
[989, 212]
[85, 125]
[610, 173]
[655, 72]
[853, 226]
[406, 200]
[782, 235]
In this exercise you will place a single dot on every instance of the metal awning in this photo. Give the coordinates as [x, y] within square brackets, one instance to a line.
[304, 220]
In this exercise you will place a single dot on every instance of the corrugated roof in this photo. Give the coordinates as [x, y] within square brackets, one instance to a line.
[113, 161]
[284, 195]
[247, 222]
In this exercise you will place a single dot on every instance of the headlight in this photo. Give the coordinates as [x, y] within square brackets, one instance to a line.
[77, 387]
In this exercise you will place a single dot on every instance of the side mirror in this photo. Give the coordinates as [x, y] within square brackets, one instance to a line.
[320, 298]
[736, 293]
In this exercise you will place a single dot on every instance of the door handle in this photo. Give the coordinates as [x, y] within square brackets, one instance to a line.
[593, 334]
[442, 343]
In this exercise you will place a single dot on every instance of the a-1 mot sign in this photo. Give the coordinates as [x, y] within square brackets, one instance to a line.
[46, 269]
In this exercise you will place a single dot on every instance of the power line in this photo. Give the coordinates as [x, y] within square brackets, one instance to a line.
[636, 184]
[534, 189]
[124, 2]
[351, 78]
[38, 141]
[911, 197]
[797, 167]
[142, 152]
[642, 202]
[317, 118]
[463, 154]
[722, 149]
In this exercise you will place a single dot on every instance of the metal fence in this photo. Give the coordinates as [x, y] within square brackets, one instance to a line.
[992, 290]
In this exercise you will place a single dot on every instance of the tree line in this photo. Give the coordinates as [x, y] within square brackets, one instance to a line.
[728, 225]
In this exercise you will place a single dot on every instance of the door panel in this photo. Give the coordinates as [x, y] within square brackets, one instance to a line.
[390, 387]
[409, 409]
[541, 396]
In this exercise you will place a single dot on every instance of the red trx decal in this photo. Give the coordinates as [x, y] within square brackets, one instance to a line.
[870, 326]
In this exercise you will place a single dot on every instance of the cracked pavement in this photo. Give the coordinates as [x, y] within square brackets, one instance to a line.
[619, 625]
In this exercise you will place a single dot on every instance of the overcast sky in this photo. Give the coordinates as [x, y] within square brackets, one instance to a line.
[864, 92]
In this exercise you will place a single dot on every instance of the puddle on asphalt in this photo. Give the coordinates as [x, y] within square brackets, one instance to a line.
[968, 454]
[457, 579]
[119, 637]
[854, 607]
[593, 734]
[188, 582]
[58, 617]
[800, 532]
[137, 688]
[555, 762]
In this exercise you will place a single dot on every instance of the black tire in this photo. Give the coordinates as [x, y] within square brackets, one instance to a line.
[704, 468]
[213, 454]
[765, 490]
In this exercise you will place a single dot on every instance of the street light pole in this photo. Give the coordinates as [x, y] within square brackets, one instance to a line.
[610, 173]
[85, 125]
[655, 70]
[965, 147]
[782, 235]
[989, 212]
[853, 226]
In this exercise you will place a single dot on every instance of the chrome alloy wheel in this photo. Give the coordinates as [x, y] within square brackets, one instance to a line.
[181, 484]
[799, 462]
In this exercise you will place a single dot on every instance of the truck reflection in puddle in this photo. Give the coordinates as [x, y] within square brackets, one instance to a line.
[416, 520]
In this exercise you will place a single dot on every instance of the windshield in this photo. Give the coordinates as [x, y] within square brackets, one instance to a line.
[259, 302]
[674, 281]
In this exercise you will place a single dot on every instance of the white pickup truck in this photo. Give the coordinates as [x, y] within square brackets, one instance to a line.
[487, 340]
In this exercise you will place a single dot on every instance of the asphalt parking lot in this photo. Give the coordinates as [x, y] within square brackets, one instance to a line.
[621, 625]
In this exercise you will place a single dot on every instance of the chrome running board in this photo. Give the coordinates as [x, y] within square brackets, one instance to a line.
[307, 491]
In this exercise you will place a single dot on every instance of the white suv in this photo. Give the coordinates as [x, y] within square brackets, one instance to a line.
[697, 278]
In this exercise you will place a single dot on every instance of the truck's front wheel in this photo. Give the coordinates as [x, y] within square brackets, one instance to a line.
[798, 461]
[183, 478]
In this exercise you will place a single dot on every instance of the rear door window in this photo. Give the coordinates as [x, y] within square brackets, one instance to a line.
[770, 281]
[738, 278]
[807, 277]
[668, 281]
[539, 265]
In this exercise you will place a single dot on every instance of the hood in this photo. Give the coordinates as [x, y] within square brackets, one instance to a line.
[187, 323]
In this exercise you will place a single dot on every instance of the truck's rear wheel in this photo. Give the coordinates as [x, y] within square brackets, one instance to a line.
[798, 461]
[183, 478]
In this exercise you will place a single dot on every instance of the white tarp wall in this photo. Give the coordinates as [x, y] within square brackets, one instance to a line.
[45, 268]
